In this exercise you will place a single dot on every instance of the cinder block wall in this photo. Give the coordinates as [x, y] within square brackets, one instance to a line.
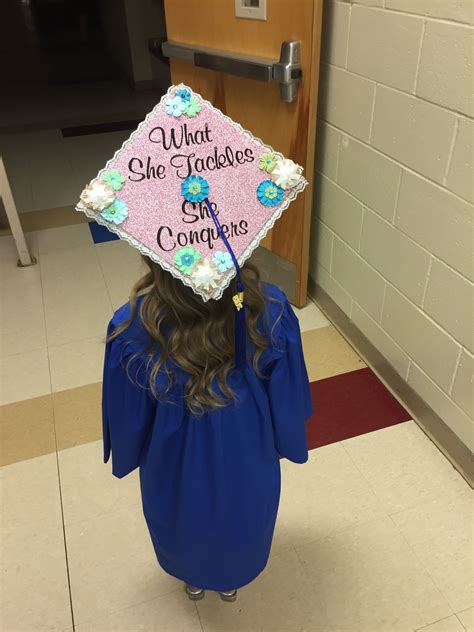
[392, 221]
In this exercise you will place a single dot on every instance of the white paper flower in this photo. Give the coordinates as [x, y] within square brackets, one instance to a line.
[286, 173]
[98, 195]
[206, 276]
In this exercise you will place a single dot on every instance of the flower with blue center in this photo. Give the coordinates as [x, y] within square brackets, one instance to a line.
[117, 212]
[176, 106]
[183, 94]
[269, 194]
[195, 189]
[114, 178]
[186, 258]
[223, 260]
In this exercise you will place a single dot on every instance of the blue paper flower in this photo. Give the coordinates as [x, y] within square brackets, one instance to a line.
[116, 213]
[223, 260]
[114, 178]
[183, 94]
[176, 106]
[269, 194]
[195, 189]
[186, 258]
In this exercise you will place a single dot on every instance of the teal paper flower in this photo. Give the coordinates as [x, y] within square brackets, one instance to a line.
[193, 107]
[186, 258]
[195, 189]
[116, 213]
[267, 162]
[114, 178]
[269, 194]
[175, 106]
[224, 261]
[183, 94]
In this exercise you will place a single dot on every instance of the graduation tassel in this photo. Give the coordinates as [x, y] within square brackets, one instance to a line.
[240, 340]
[240, 328]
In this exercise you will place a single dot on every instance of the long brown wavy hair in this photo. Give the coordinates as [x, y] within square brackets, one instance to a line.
[196, 336]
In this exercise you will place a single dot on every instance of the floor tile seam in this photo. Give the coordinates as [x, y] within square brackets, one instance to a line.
[460, 612]
[199, 617]
[425, 568]
[17, 353]
[135, 504]
[331, 327]
[114, 512]
[43, 303]
[433, 622]
[53, 392]
[44, 323]
[358, 523]
[102, 271]
[388, 512]
[338, 530]
[61, 503]
[354, 462]
[309, 331]
[453, 496]
[77, 341]
[129, 606]
[72, 249]
[421, 564]
[22, 401]
[48, 251]
[301, 564]
[336, 485]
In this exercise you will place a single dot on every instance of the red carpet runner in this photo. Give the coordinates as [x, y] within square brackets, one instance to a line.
[351, 404]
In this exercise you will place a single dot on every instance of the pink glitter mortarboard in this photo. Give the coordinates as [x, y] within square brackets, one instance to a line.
[187, 173]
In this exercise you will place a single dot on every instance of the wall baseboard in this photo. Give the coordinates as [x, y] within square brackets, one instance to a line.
[429, 421]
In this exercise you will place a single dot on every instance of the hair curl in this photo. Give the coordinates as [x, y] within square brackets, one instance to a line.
[196, 336]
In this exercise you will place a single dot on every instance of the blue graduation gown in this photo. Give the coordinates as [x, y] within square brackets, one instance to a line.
[210, 485]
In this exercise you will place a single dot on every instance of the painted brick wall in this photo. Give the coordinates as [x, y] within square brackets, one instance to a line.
[393, 213]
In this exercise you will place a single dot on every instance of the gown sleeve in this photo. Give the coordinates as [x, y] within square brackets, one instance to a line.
[288, 389]
[128, 410]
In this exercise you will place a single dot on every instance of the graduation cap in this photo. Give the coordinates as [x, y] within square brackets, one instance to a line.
[196, 193]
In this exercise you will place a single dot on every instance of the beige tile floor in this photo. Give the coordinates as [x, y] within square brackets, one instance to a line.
[343, 559]
[374, 533]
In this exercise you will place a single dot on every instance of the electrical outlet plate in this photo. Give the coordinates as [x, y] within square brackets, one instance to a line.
[251, 9]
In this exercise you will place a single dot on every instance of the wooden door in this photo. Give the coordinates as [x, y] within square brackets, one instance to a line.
[288, 127]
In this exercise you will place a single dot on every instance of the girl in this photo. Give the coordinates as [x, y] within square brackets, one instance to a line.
[206, 436]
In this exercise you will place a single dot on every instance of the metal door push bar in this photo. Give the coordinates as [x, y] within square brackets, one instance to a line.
[287, 71]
